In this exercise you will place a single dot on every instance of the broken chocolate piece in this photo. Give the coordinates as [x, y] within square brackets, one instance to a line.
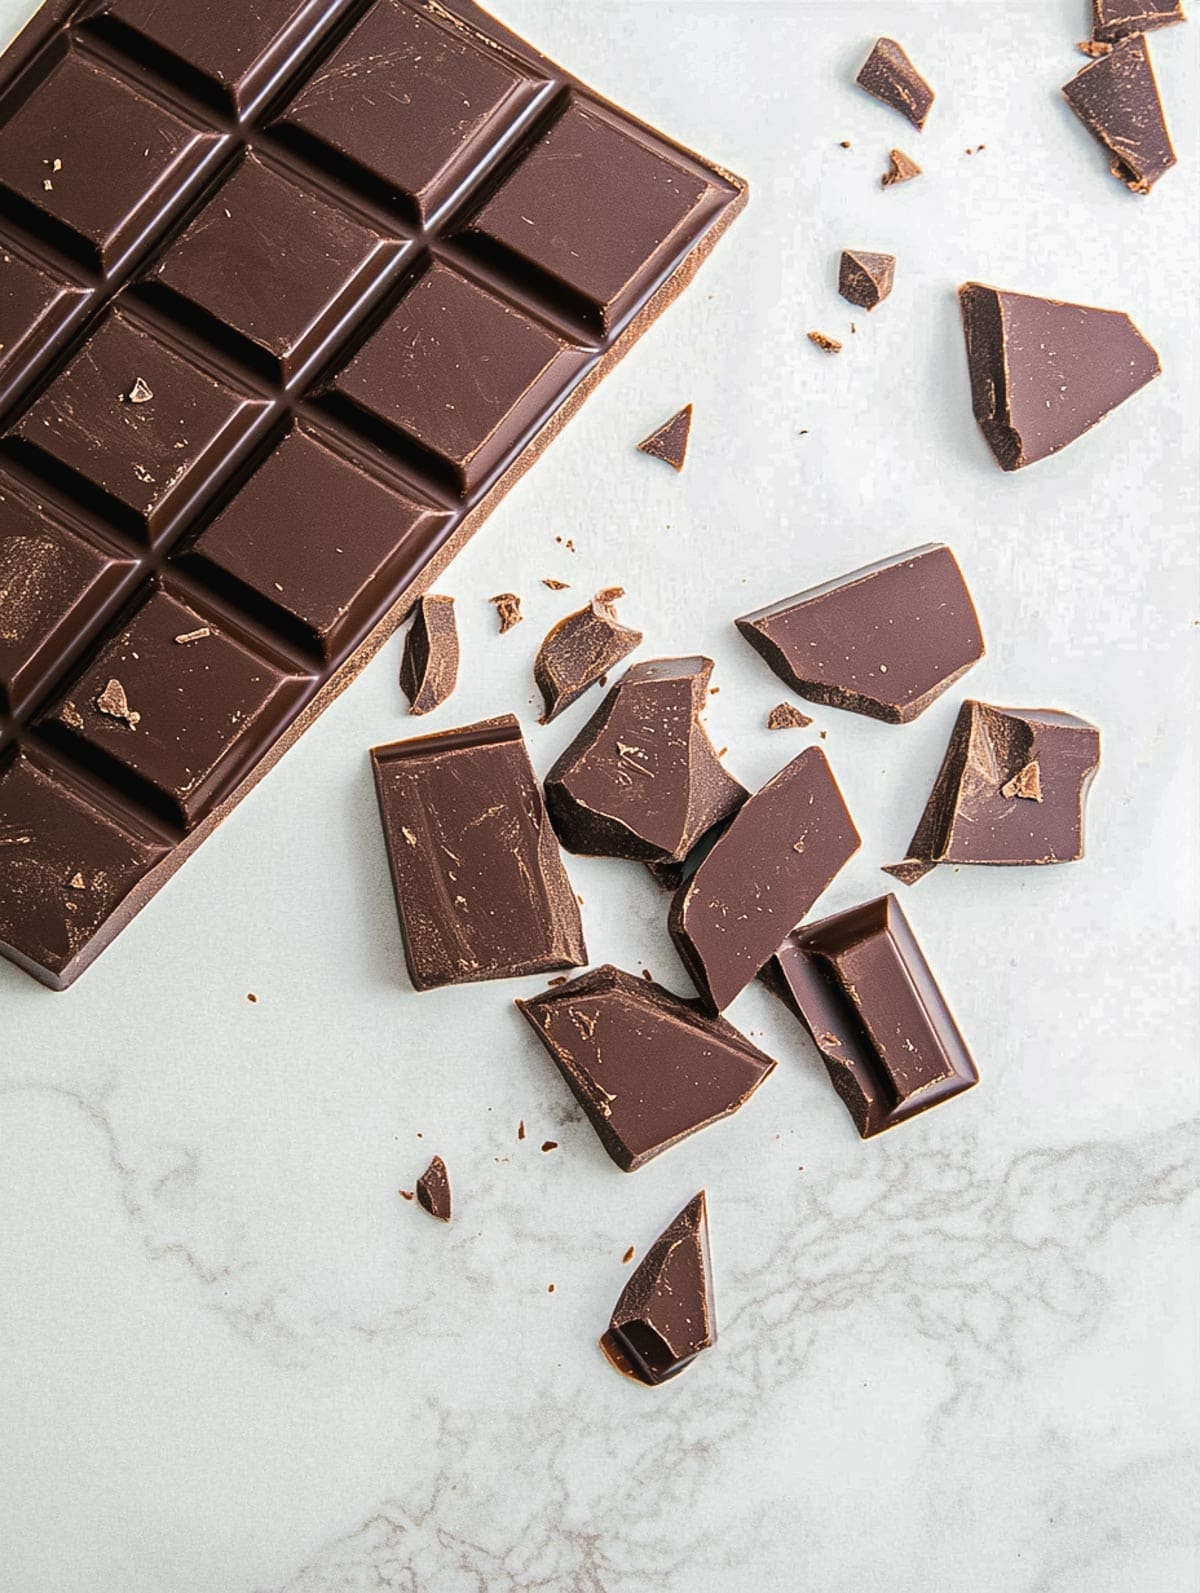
[508, 610]
[829, 345]
[1117, 100]
[480, 886]
[786, 717]
[888, 75]
[1114, 20]
[429, 668]
[1011, 789]
[902, 168]
[641, 780]
[1094, 48]
[781, 850]
[665, 1315]
[579, 650]
[860, 983]
[866, 279]
[885, 641]
[555, 586]
[670, 442]
[648, 1068]
[1044, 372]
[433, 1190]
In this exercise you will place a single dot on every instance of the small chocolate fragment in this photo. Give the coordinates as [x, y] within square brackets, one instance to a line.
[902, 168]
[1044, 372]
[1114, 20]
[862, 987]
[433, 1190]
[786, 717]
[429, 668]
[641, 780]
[1011, 789]
[113, 702]
[866, 279]
[1117, 100]
[1094, 48]
[888, 75]
[665, 1315]
[763, 875]
[480, 886]
[647, 1067]
[885, 641]
[555, 586]
[670, 442]
[580, 650]
[140, 392]
[829, 345]
[508, 610]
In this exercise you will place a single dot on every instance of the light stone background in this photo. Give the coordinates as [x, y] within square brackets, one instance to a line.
[959, 1358]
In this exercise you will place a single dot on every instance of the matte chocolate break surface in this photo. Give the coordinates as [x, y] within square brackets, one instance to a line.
[1117, 100]
[1044, 372]
[580, 650]
[1011, 789]
[433, 1190]
[884, 641]
[670, 442]
[888, 75]
[647, 1068]
[665, 1315]
[480, 886]
[429, 668]
[864, 278]
[861, 985]
[1113, 20]
[293, 291]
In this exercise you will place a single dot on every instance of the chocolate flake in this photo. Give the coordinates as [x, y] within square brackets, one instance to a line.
[429, 667]
[865, 279]
[888, 75]
[1117, 100]
[665, 1317]
[549, 1144]
[555, 586]
[670, 442]
[113, 702]
[78, 883]
[139, 393]
[1027, 783]
[902, 168]
[786, 717]
[433, 1190]
[193, 636]
[580, 650]
[829, 344]
[508, 610]
[1114, 20]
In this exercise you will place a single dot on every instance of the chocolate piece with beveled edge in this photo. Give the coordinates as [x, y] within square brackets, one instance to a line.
[1117, 100]
[1114, 20]
[579, 650]
[429, 668]
[670, 442]
[665, 1317]
[433, 1190]
[866, 279]
[888, 75]
[648, 1068]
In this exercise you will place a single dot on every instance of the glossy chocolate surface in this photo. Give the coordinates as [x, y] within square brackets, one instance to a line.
[429, 668]
[665, 1315]
[580, 650]
[1117, 100]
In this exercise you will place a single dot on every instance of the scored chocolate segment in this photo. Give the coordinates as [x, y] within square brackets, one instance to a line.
[1116, 98]
[480, 886]
[35, 303]
[860, 983]
[665, 1315]
[647, 1068]
[884, 641]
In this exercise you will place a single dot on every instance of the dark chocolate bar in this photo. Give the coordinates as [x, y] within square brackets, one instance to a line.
[291, 293]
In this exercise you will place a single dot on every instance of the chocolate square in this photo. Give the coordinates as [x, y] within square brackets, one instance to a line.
[35, 303]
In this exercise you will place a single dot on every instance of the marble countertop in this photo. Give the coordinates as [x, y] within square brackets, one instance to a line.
[961, 1358]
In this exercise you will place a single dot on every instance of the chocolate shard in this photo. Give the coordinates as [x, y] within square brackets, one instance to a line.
[665, 1315]
[480, 886]
[785, 716]
[429, 668]
[433, 1190]
[902, 168]
[866, 279]
[888, 75]
[1011, 789]
[580, 649]
[1117, 100]
[1114, 20]
[1044, 372]
[763, 875]
[642, 780]
[862, 987]
[508, 610]
[670, 442]
[885, 641]
[648, 1068]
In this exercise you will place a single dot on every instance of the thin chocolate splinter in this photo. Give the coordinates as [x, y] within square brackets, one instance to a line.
[429, 668]
[785, 717]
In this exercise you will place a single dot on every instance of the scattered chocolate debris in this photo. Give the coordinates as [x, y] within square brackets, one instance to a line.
[139, 393]
[785, 717]
[1095, 48]
[888, 75]
[521, 1129]
[845, 144]
[555, 586]
[1117, 100]
[508, 610]
[628, 1256]
[665, 1317]
[193, 636]
[902, 169]
[549, 1288]
[429, 667]
[670, 442]
[829, 344]
[433, 1190]
[113, 702]
[1114, 20]
[865, 279]
[549, 1144]
[252, 999]
[78, 883]
[406, 1194]
[579, 650]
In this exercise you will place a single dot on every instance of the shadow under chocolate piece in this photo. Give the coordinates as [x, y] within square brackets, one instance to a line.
[1011, 789]
[1114, 20]
[480, 887]
[864, 278]
[884, 641]
[642, 780]
[1117, 100]
[648, 1068]
[579, 650]
[862, 987]
[888, 75]
[782, 849]
[429, 668]
[665, 1316]
[433, 1190]
[1044, 372]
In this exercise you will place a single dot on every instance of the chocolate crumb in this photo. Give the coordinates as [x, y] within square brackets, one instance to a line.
[824, 735]
[549, 1288]
[845, 144]
[559, 979]
[113, 702]
[1027, 783]
[508, 610]
[406, 1194]
[647, 976]
[139, 393]
[829, 344]
[78, 883]
[784, 717]
[549, 1144]
[903, 169]
[521, 1129]
[628, 1256]
[252, 999]
[1095, 48]
[556, 586]
[193, 636]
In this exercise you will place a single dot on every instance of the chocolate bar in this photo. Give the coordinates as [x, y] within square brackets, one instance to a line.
[292, 292]
[665, 1317]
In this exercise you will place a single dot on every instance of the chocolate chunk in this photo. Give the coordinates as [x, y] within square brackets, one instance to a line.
[885, 641]
[761, 878]
[480, 887]
[433, 1190]
[665, 1315]
[429, 668]
[1011, 789]
[888, 75]
[902, 168]
[670, 442]
[641, 780]
[1044, 372]
[786, 717]
[861, 985]
[866, 279]
[1114, 20]
[1117, 100]
[829, 345]
[580, 650]
[508, 610]
[648, 1068]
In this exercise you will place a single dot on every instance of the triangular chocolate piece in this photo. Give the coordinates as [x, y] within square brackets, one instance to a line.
[670, 442]
[665, 1315]
[1116, 98]
[1044, 372]
[580, 649]
[903, 169]
[888, 75]
[429, 668]
[1114, 20]
[433, 1190]
[647, 1068]
[866, 279]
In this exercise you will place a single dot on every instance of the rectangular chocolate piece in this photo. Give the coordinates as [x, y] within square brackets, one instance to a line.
[480, 886]
[290, 293]
[861, 985]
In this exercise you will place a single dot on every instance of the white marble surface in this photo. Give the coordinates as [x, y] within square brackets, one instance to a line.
[961, 1357]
